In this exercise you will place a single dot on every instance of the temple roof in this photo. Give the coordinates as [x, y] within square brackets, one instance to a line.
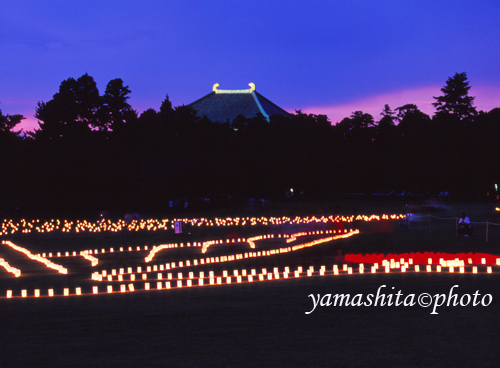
[225, 104]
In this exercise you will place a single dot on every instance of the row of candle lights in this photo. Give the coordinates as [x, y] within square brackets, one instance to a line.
[9, 227]
[87, 254]
[234, 257]
[244, 276]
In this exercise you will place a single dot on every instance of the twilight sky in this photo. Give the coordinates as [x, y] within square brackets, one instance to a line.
[324, 57]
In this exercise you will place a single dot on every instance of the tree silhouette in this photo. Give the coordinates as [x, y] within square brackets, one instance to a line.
[387, 118]
[166, 109]
[8, 122]
[115, 110]
[411, 119]
[71, 111]
[456, 99]
[359, 124]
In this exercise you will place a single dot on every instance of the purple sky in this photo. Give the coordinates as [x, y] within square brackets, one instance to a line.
[324, 57]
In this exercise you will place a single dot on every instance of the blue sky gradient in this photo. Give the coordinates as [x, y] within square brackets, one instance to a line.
[330, 57]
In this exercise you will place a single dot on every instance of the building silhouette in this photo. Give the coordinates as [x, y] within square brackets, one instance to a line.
[223, 105]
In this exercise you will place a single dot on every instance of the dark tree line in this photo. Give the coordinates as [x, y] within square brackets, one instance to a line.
[94, 152]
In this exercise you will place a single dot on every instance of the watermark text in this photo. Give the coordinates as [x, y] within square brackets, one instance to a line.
[389, 297]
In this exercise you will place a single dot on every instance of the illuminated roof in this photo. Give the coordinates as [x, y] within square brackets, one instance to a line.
[225, 104]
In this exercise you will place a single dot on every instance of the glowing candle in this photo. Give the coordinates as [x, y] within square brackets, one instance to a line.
[417, 268]
[130, 287]
[147, 286]
[51, 292]
[159, 285]
[462, 269]
[66, 292]
[37, 293]
[9, 294]
[78, 291]
[488, 269]
[95, 290]
[474, 269]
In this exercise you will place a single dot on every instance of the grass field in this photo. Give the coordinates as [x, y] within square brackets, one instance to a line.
[259, 324]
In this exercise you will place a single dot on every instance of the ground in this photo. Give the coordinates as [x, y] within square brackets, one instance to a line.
[262, 324]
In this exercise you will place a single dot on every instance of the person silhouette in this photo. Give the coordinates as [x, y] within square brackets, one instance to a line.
[464, 226]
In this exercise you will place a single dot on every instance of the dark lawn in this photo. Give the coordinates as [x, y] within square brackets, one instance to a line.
[261, 324]
[256, 325]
